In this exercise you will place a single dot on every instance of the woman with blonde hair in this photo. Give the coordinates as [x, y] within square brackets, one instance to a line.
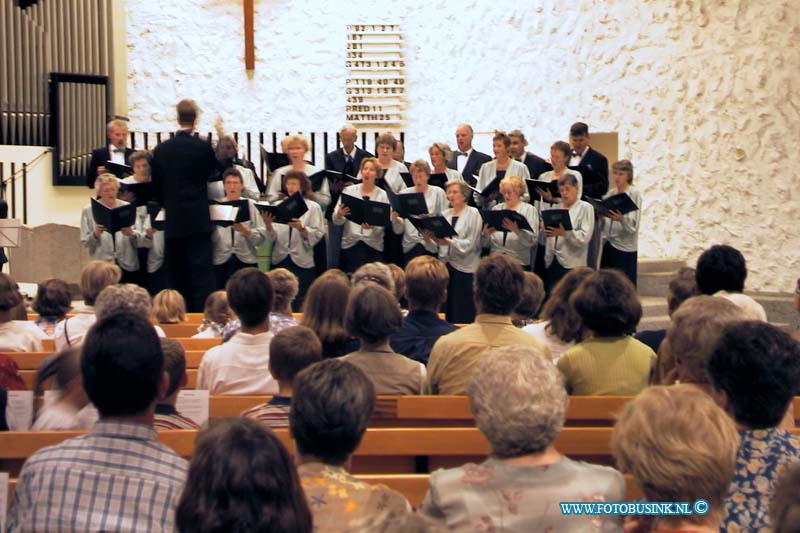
[96, 276]
[120, 247]
[680, 447]
[514, 241]
[169, 307]
[296, 147]
[361, 243]
[216, 316]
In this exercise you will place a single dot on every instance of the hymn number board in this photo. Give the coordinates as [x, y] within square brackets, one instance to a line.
[375, 86]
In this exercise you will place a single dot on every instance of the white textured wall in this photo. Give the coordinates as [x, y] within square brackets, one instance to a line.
[704, 94]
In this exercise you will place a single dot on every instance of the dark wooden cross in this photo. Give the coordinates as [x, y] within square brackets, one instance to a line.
[249, 36]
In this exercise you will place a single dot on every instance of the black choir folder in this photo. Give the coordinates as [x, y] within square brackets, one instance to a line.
[228, 213]
[619, 202]
[407, 179]
[143, 192]
[274, 160]
[113, 219]
[551, 186]
[157, 216]
[553, 217]
[367, 211]
[334, 176]
[438, 225]
[120, 170]
[494, 219]
[438, 180]
[408, 203]
[493, 187]
[291, 208]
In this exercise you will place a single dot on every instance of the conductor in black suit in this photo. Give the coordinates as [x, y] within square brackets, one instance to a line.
[593, 166]
[467, 160]
[116, 151]
[346, 159]
[181, 168]
[536, 165]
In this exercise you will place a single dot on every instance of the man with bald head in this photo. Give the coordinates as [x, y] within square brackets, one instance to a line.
[346, 159]
[466, 159]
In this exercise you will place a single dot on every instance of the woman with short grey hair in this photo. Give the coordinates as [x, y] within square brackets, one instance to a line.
[519, 403]
[125, 298]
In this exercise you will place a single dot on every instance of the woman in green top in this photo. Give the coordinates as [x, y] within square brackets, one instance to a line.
[610, 362]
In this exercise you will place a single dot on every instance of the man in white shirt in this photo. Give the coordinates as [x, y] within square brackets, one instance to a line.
[347, 160]
[241, 365]
[466, 159]
[117, 133]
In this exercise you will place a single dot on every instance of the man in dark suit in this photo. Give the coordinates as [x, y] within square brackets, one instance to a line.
[467, 160]
[536, 165]
[593, 166]
[346, 159]
[117, 133]
[181, 168]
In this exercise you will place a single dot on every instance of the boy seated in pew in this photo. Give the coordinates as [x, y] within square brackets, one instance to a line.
[167, 417]
[291, 350]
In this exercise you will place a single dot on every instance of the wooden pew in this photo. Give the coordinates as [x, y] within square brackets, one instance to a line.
[413, 486]
[382, 450]
[29, 377]
[179, 330]
[32, 360]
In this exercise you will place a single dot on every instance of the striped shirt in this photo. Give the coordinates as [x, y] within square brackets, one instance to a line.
[167, 417]
[274, 413]
[116, 478]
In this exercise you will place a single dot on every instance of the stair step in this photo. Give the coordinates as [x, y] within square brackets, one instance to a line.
[648, 266]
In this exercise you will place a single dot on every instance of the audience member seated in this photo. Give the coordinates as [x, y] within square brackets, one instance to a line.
[610, 362]
[378, 273]
[241, 478]
[322, 313]
[125, 298]
[561, 326]
[530, 301]
[216, 315]
[682, 287]
[721, 271]
[372, 316]
[167, 416]
[785, 507]
[519, 403]
[96, 276]
[680, 447]
[331, 406]
[169, 307]
[426, 291]
[52, 302]
[284, 290]
[70, 409]
[15, 335]
[291, 350]
[399, 280]
[755, 370]
[9, 374]
[695, 330]
[240, 366]
[118, 477]
[498, 286]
